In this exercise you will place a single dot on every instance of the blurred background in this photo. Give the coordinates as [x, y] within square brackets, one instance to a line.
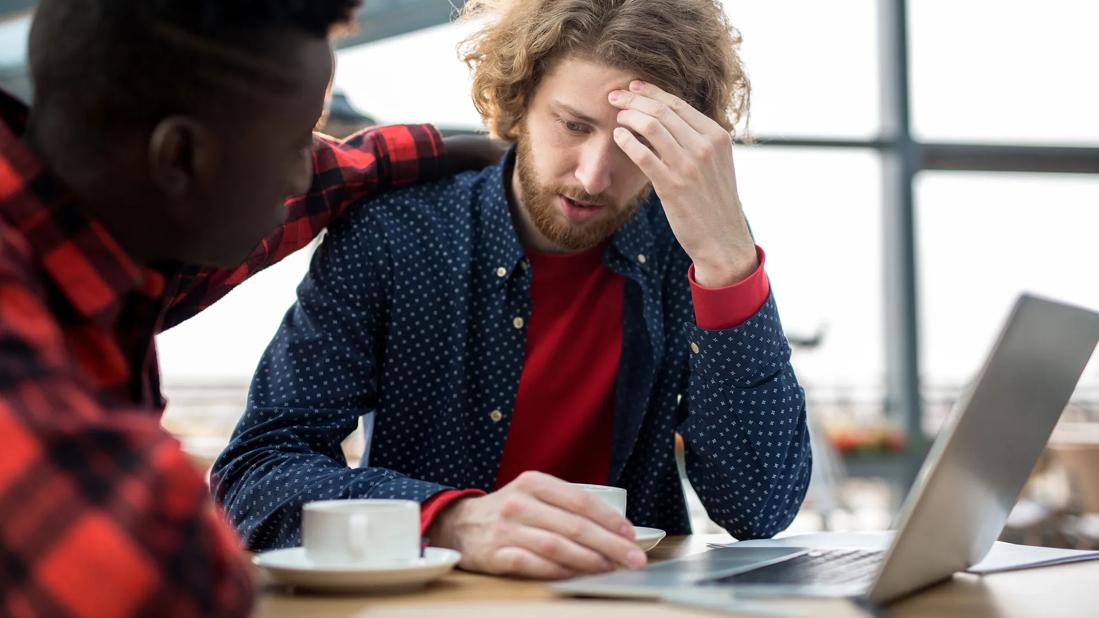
[917, 165]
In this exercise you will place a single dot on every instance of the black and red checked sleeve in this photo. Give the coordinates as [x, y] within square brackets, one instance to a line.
[103, 515]
[344, 173]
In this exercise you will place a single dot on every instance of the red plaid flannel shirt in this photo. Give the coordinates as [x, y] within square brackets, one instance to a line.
[101, 514]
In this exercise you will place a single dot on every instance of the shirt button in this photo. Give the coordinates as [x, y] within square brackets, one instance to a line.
[524, 264]
[518, 323]
[501, 272]
[496, 416]
[694, 347]
[641, 259]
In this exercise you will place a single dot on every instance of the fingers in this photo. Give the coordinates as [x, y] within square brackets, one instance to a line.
[511, 560]
[644, 158]
[553, 491]
[695, 119]
[647, 116]
[659, 139]
[581, 518]
[670, 141]
[560, 550]
[583, 531]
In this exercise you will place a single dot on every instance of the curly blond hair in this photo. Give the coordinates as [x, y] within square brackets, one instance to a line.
[687, 47]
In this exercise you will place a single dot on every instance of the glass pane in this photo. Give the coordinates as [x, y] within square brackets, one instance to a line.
[13, 41]
[13, 57]
[1005, 70]
[223, 344]
[427, 84]
[817, 214]
[813, 65]
[983, 239]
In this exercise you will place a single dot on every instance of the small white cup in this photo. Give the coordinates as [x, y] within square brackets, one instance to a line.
[613, 496]
[361, 532]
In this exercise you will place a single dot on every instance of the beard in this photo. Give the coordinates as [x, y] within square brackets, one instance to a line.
[540, 202]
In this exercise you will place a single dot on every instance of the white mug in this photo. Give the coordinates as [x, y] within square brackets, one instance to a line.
[613, 496]
[361, 532]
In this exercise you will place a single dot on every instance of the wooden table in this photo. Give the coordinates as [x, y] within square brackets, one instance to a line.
[1066, 590]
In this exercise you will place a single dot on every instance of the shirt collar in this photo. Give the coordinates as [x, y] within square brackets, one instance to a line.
[500, 242]
[628, 251]
[88, 266]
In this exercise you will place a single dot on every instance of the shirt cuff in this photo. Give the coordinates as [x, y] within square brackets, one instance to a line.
[435, 505]
[730, 306]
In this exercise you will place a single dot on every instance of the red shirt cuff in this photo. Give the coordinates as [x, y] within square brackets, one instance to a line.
[730, 306]
[435, 504]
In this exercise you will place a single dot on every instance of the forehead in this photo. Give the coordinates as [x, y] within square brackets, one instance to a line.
[307, 63]
[313, 65]
[582, 85]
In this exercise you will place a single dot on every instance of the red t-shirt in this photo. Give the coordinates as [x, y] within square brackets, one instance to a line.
[564, 410]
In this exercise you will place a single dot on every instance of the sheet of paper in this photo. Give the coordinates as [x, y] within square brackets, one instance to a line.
[1002, 557]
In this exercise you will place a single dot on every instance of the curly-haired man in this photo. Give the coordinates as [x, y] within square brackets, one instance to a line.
[558, 317]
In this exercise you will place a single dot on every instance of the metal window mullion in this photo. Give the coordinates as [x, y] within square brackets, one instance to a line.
[900, 162]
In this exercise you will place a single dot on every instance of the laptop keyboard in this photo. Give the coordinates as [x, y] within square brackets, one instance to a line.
[832, 566]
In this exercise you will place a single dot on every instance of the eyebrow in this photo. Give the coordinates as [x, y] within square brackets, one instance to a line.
[576, 113]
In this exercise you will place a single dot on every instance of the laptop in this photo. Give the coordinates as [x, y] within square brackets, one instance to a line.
[956, 509]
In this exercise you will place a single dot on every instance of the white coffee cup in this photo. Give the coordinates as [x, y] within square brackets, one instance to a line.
[361, 532]
[613, 496]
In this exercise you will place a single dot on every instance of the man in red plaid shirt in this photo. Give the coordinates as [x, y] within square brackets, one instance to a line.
[148, 181]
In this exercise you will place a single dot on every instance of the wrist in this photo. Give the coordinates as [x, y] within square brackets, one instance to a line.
[443, 529]
[725, 271]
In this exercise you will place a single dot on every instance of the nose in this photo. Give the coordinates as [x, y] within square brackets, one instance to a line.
[301, 176]
[593, 171]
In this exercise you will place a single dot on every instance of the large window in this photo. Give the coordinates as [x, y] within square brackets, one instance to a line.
[813, 65]
[817, 213]
[1005, 71]
[984, 239]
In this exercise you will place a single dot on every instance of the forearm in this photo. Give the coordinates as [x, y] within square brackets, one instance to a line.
[281, 459]
[751, 492]
[745, 427]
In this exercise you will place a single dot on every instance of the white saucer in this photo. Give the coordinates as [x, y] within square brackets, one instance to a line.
[291, 567]
[647, 538]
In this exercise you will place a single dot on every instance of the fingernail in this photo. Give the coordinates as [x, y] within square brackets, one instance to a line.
[621, 134]
[636, 85]
[636, 559]
[627, 531]
[615, 96]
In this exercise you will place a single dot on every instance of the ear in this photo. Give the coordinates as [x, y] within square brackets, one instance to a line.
[179, 147]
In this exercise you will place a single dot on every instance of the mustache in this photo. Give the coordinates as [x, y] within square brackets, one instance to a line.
[579, 195]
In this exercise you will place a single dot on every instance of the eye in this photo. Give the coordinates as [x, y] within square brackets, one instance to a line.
[574, 127]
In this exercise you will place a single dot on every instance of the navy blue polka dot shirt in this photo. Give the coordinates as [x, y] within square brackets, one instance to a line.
[407, 317]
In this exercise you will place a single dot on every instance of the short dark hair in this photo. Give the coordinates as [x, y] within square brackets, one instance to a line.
[112, 61]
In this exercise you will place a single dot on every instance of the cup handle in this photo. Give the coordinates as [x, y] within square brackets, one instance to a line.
[357, 527]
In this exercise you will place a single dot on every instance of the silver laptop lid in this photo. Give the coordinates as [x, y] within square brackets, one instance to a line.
[984, 455]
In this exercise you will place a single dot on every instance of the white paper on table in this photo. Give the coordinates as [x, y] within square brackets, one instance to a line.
[1002, 556]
